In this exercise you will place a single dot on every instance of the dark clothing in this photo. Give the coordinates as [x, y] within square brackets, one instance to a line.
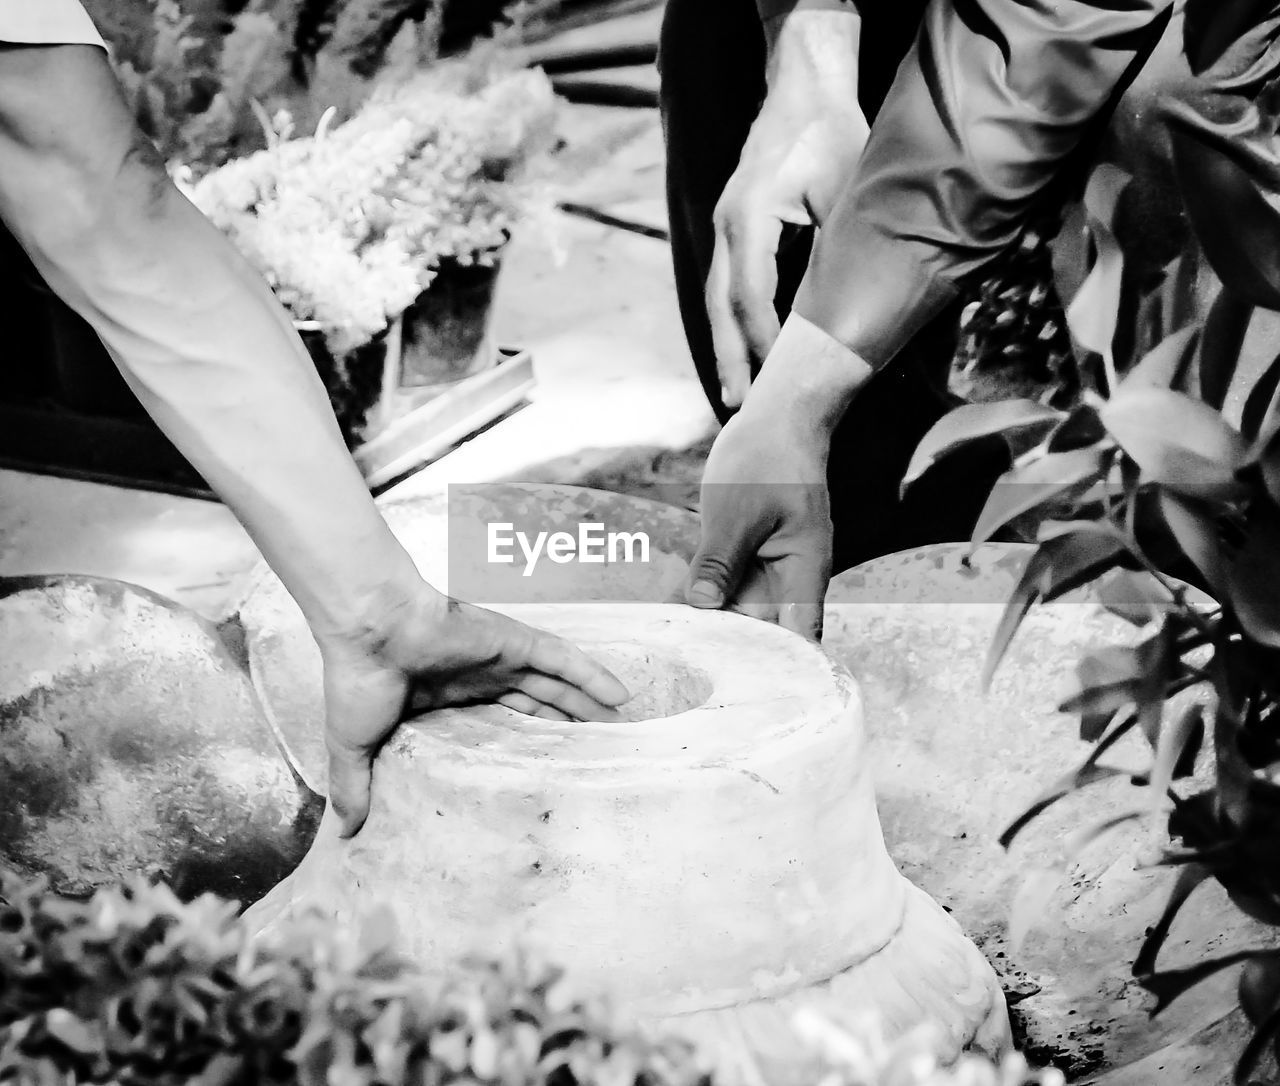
[712, 60]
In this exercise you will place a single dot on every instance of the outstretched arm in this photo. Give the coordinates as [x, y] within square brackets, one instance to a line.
[215, 360]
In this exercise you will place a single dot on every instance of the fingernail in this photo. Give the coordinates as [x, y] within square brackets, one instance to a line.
[705, 594]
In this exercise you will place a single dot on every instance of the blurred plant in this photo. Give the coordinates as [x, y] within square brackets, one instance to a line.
[1144, 489]
[193, 96]
[1014, 330]
[135, 987]
[863, 1057]
[350, 224]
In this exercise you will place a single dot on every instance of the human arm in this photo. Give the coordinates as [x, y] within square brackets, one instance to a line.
[215, 361]
[801, 150]
[980, 119]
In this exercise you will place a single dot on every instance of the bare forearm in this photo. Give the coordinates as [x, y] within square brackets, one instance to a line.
[815, 50]
[773, 11]
[215, 362]
[196, 332]
[809, 377]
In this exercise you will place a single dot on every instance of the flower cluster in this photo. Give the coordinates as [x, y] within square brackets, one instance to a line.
[135, 987]
[348, 225]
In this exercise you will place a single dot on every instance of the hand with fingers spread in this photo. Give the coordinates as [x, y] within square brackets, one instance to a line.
[432, 652]
[802, 150]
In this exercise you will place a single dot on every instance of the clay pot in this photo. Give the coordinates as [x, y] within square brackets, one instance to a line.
[448, 330]
[359, 381]
[713, 862]
[131, 744]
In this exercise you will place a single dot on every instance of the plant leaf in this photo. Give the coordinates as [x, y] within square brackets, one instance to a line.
[1257, 1045]
[1114, 677]
[1107, 678]
[1253, 585]
[1260, 403]
[1164, 365]
[1191, 876]
[1082, 838]
[971, 422]
[1057, 566]
[1031, 484]
[1225, 327]
[1269, 463]
[1167, 985]
[1134, 595]
[1094, 312]
[1178, 442]
[1178, 291]
[1210, 27]
[1197, 536]
[1236, 224]
[1060, 789]
[1090, 772]
[1170, 748]
[1079, 429]
[1031, 904]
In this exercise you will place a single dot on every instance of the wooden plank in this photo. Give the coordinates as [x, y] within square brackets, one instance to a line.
[635, 86]
[430, 430]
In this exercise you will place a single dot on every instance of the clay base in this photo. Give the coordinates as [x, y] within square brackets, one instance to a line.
[715, 864]
[929, 975]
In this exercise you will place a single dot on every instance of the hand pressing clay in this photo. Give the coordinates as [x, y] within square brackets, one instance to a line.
[713, 862]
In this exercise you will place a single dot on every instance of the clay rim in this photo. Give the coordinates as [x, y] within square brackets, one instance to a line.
[830, 697]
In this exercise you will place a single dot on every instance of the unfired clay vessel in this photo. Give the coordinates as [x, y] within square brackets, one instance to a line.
[714, 862]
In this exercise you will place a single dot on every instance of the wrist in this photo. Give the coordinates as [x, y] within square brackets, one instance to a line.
[365, 601]
[809, 379]
[815, 51]
[380, 616]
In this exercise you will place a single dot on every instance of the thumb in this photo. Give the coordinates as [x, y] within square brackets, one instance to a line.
[350, 776]
[724, 556]
[364, 701]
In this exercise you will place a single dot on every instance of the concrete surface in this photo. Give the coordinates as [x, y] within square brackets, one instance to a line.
[192, 551]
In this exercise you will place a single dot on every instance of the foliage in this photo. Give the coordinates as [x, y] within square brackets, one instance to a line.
[1144, 481]
[134, 987]
[193, 95]
[349, 224]
[1014, 328]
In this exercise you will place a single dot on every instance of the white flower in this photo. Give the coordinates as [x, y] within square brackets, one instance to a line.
[350, 225]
